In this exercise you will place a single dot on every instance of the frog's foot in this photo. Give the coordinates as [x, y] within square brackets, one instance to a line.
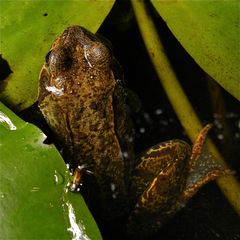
[203, 167]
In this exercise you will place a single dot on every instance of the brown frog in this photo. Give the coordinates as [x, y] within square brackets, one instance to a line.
[84, 103]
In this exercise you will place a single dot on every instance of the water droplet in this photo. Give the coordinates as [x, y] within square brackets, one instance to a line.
[7, 121]
[220, 136]
[112, 186]
[66, 189]
[44, 155]
[3, 196]
[125, 154]
[68, 166]
[58, 178]
[77, 229]
[237, 135]
[35, 189]
[142, 130]
[158, 111]
[29, 147]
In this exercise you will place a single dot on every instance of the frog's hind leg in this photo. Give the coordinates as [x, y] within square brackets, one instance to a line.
[203, 166]
[158, 180]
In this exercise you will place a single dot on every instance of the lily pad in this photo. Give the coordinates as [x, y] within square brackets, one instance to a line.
[209, 31]
[35, 201]
[28, 28]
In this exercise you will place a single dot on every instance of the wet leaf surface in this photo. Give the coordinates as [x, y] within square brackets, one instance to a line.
[35, 201]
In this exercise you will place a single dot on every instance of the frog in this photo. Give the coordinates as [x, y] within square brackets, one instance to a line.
[84, 101]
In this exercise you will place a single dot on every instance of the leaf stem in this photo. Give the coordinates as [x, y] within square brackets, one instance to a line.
[180, 103]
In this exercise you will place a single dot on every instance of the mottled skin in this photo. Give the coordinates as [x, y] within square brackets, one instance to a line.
[84, 104]
[80, 98]
[166, 177]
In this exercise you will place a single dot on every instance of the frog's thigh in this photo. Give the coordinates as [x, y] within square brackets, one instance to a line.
[158, 180]
[162, 160]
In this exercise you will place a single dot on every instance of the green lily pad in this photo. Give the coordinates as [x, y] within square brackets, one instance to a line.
[28, 28]
[209, 31]
[35, 201]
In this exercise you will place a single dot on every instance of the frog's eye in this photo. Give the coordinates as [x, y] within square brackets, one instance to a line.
[47, 57]
[60, 60]
[97, 54]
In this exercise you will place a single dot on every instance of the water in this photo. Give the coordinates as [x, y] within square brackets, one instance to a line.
[208, 215]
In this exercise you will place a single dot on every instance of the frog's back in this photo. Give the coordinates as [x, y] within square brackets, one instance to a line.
[85, 106]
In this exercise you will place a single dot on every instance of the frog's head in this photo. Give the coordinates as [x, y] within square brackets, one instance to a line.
[76, 45]
[77, 60]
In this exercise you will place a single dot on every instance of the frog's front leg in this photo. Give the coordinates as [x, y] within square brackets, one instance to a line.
[166, 177]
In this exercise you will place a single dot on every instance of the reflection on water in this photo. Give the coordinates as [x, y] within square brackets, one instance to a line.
[77, 229]
[5, 119]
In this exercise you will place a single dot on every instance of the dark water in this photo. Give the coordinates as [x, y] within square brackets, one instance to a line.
[208, 215]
